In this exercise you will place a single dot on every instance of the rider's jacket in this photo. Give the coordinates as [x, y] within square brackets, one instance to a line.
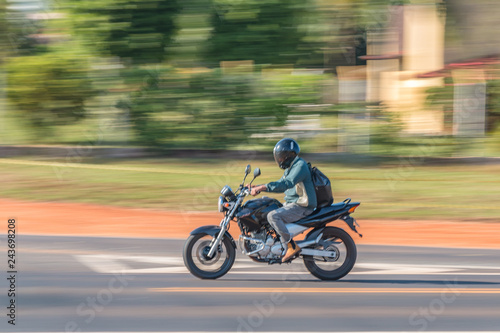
[297, 184]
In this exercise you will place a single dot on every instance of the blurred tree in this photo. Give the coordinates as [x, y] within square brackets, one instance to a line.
[203, 111]
[19, 30]
[443, 96]
[264, 31]
[49, 89]
[212, 110]
[493, 106]
[138, 30]
[4, 49]
[151, 109]
[3, 29]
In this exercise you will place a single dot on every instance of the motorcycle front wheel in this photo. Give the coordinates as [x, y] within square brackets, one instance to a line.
[200, 265]
[324, 268]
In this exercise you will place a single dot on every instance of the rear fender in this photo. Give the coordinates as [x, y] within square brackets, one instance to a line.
[348, 219]
[351, 222]
[212, 230]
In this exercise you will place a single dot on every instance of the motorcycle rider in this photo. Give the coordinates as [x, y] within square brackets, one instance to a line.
[300, 195]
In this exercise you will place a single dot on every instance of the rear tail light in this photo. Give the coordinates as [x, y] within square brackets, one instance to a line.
[353, 208]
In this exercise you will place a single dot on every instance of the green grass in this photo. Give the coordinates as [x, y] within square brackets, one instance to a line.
[397, 191]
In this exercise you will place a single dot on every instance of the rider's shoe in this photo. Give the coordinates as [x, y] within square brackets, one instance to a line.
[291, 251]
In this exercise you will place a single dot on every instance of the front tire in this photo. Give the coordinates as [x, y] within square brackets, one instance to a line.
[339, 241]
[200, 265]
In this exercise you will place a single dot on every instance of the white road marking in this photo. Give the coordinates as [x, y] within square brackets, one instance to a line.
[403, 269]
[101, 263]
[112, 264]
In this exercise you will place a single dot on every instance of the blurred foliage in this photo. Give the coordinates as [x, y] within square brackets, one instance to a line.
[18, 32]
[152, 57]
[443, 96]
[213, 110]
[386, 128]
[267, 32]
[137, 30]
[493, 106]
[4, 39]
[50, 88]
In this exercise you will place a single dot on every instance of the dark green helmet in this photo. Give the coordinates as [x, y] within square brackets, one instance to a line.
[285, 152]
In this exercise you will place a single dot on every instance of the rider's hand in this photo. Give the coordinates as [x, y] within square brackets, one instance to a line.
[257, 189]
[254, 191]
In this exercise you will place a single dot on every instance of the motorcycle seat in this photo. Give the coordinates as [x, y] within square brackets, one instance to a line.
[325, 212]
[329, 209]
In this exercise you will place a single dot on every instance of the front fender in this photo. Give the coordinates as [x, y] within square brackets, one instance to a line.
[212, 230]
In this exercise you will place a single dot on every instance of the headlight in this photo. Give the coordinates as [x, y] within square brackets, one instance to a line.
[226, 191]
[221, 203]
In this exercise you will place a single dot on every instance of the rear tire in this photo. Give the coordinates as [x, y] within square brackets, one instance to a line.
[200, 267]
[350, 254]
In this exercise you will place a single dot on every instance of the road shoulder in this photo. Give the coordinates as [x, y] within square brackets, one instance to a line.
[49, 218]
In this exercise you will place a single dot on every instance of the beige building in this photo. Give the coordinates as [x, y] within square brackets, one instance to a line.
[408, 58]
[411, 45]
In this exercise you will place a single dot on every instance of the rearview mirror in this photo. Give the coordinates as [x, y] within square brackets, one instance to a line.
[256, 173]
[247, 169]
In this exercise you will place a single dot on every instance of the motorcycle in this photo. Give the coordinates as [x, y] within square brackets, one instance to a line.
[329, 253]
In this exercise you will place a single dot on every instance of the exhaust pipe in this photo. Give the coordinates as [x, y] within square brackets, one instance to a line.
[260, 245]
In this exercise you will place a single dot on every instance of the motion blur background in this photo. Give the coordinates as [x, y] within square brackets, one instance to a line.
[396, 100]
[121, 120]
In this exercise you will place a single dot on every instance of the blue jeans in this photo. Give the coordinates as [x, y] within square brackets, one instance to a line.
[289, 213]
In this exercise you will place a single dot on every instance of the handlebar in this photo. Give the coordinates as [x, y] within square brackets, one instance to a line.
[245, 191]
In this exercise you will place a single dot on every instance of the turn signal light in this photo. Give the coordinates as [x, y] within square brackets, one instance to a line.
[353, 208]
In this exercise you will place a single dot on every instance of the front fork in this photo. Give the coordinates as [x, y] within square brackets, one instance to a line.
[223, 228]
[214, 245]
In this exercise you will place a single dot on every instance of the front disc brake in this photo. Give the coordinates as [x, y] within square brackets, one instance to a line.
[202, 254]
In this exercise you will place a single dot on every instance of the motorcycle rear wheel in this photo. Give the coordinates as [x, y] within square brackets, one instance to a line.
[196, 261]
[343, 244]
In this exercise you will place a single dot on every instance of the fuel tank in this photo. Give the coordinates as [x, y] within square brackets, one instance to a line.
[253, 214]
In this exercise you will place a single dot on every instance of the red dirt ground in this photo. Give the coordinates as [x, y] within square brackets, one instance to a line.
[48, 218]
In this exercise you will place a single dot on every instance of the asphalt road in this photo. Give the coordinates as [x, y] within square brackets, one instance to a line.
[117, 284]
